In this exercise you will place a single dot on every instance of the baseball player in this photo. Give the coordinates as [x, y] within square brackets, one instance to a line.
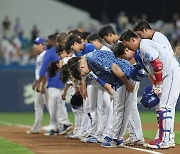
[56, 106]
[40, 98]
[104, 104]
[81, 48]
[144, 30]
[65, 56]
[164, 71]
[110, 69]
[134, 126]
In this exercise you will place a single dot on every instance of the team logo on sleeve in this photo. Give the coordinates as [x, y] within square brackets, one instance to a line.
[106, 68]
[148, 57]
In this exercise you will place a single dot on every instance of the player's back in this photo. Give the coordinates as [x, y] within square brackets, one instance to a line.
[162, 39]
[153, 50]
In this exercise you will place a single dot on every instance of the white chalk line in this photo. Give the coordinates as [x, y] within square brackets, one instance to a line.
[16, 125]
[27, 126]
[144, 150]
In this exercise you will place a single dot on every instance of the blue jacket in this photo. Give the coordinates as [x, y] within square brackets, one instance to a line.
[49, 57]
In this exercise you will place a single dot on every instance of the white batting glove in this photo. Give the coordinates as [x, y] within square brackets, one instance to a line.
[158, 90]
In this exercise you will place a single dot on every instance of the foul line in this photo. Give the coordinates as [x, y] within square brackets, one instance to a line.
[17, 125]
[27, 126]
[144, 150]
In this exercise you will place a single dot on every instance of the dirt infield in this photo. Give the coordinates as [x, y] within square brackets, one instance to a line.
[41, 144]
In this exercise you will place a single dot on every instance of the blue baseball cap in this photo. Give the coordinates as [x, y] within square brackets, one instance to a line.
[39, 40]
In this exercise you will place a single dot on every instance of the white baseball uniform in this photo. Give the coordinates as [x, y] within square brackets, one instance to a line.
[162, 39]
[134, 126]
[40, 99]
[149, 51]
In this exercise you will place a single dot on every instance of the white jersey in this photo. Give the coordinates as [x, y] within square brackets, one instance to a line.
[150, 50]
[105, 48]
[65, 61]
[39, 61]
[162, 39]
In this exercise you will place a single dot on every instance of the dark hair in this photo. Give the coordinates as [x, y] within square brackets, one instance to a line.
[59, 49]
[52, 68]
[127, 35]
[140, 25]
[52, 39]
[84, 35]
[61, 38]
[71, 69]
[93, 37]
[71, 40]
[75, 31]
[119, 49]
[105, 31]
[65, 75]
[74, 67]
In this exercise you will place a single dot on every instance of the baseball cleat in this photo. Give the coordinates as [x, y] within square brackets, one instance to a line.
[172, 145]
[112, 143]
[157, 146]
[65, 129]
[89, 139]
[32, 132]
[51, 132]
[132, 142]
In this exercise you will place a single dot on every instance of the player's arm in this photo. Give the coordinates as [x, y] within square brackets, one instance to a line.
[119, 73]
[42, 73]
[102, 83]
[158, 66]
[34, 85]
[65, 91]
[43, 85]
[83, 88]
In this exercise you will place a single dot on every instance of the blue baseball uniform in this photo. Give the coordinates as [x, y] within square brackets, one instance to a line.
[55, 89]
[87, 49]
[49, 57]
[101, 62]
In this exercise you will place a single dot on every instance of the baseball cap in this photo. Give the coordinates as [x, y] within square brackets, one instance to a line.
[39, 40]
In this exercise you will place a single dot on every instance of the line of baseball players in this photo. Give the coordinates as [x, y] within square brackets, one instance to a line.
[102, 77]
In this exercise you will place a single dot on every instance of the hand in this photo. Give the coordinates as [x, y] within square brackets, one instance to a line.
[109, 88]
[84, 94]
[34, 85]
[63, 96]
[43, 89]
[157, 90]
[129, 87]
[38, 88]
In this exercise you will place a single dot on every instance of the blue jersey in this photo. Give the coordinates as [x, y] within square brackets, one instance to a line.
[49, 57]
[88, 47]
[101, 62]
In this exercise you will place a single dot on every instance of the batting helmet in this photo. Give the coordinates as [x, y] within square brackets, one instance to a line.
[76, 101]
[137, 73]
[149, 98]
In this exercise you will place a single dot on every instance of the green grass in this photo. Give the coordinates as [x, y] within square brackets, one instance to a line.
[28, 119]
[8, 147]
[150, 117]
